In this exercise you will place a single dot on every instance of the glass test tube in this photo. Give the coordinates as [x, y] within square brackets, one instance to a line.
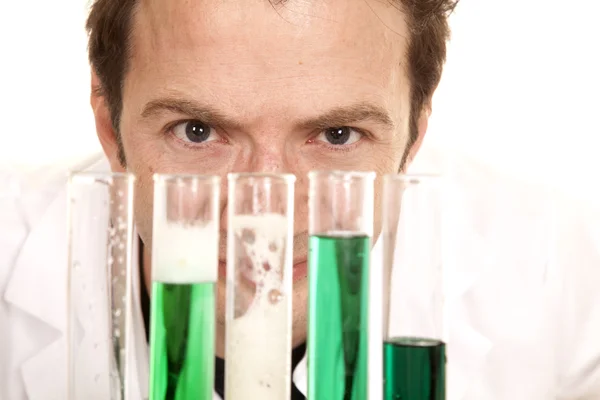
[340, 229]
[260, 233]
[100, 282]
[185, 259]
[414, 359]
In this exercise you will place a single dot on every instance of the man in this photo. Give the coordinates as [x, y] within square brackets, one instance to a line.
[214, 87]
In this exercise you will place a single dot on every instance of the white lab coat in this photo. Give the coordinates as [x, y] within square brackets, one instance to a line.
[522, 270]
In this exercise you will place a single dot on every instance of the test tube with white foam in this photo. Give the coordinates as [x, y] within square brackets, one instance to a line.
[100, 240]
[185, 246]
[259, 286]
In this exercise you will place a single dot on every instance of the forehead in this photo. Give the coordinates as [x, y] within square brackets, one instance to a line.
[334, 45]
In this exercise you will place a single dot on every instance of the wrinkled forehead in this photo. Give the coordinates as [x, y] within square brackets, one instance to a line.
[373, 32]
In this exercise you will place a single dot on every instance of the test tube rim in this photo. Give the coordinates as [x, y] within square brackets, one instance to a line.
[196, 178]
[287, 178]
[92, 177]
[336, 173]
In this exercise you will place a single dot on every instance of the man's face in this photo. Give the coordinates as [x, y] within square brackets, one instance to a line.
[244, 86]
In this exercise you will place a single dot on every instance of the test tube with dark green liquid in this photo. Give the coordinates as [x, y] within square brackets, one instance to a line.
[414, 350]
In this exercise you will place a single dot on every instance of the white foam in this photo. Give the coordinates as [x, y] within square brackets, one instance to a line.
[259, 342]
[185, 254]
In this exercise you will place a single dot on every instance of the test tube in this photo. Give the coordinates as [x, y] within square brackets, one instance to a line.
[100, 342]
[341, 230]
[185, 259]
[260, 233]
[414, 359]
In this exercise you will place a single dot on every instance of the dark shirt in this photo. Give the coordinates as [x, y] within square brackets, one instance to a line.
[297, 353]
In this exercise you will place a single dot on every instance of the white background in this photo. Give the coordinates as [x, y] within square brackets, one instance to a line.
[520, 91]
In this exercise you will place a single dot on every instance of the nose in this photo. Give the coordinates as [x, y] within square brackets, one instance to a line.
[267, 157]
[262, 157]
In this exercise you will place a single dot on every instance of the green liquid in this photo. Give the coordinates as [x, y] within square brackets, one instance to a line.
[182, 341]
[338, 317]
[414, 369]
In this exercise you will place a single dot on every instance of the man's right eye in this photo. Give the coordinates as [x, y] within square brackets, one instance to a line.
[194, 131]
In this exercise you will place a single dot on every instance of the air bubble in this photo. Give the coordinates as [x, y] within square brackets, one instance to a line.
[248, 236]
[275, 296]
[110, 260]
[120, 193]
[118, 312]
[121, 247]
[121, 207]
[117, 333]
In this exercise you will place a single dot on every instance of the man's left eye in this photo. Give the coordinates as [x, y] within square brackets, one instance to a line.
[340, 136]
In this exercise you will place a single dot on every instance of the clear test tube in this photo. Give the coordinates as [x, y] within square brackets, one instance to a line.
[414, 350]
[100, 340]
[185, 259]
[341, 230]
[260, 233]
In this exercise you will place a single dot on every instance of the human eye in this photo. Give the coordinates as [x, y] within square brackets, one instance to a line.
[194, 132]
[340, 136]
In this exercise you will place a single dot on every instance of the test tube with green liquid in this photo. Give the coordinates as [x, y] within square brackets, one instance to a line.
[340, 235]
[185, 248]
[414, 350]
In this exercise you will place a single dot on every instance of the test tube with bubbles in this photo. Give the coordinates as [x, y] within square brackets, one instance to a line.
[260, 233]
[414, 351]
[341, 230]
[100, 287]
[185, 248]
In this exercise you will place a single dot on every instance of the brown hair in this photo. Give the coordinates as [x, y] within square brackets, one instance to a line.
[109, 26]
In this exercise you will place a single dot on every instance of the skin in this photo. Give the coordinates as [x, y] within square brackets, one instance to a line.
[278, 77]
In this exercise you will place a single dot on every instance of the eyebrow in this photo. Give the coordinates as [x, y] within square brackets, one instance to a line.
[192, 109]
[343, 116]
[337, 117]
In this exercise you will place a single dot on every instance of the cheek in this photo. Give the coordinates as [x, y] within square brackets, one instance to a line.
[143, 208]
[301, 202]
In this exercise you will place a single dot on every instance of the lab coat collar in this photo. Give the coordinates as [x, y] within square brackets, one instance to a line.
[35, 286]
[38, 287]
